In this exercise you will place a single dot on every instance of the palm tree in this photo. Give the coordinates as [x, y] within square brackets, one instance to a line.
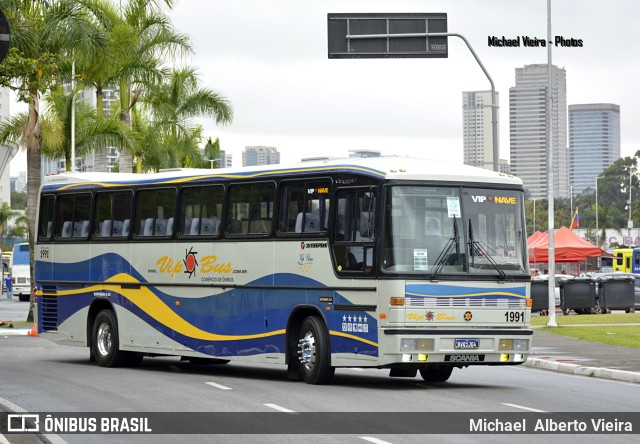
[93, 133]
[139, 35]
[212, 152]
[174, 103]
[20, 227]
[6, 213]
[43, 34]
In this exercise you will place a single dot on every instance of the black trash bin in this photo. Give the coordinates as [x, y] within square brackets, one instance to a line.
[539, 295]
[577, 294]
[617, 293]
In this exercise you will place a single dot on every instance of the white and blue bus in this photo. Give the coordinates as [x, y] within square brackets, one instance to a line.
[395, 263]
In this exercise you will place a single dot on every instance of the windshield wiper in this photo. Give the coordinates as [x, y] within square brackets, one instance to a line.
[476, 248]
[446, 251]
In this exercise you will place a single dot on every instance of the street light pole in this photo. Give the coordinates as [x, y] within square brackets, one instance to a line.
[534, 214]
[629, 221]
[597, 208]
[571, 200]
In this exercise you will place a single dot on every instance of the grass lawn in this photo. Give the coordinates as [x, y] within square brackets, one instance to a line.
[620, 333]
[617, 318]
[16, 324]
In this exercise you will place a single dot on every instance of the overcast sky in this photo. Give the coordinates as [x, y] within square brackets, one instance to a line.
[269, 58]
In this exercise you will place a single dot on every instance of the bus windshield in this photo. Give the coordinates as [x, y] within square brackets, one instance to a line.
[438, 230]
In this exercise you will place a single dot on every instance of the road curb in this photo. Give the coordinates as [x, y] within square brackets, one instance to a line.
[575, 369]
[14, 332]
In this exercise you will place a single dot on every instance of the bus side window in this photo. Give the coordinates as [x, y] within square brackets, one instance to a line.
[153, 210]
[45, 224]
[201, 211]
[113, 208]
[73, 215]
[305, 206]
[250, 208]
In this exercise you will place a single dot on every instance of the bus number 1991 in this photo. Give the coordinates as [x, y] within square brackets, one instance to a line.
[514, 316]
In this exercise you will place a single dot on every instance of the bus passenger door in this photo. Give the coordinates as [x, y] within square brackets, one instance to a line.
[354, 231]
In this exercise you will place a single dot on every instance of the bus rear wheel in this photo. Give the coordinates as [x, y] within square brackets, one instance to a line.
[437, 374]
[314, 352]
[105, 345]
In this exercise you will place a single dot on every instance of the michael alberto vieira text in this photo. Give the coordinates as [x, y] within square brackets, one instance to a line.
[533, 42]
[550, 425]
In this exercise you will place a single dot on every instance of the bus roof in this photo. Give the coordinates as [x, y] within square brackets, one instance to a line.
[385, 167]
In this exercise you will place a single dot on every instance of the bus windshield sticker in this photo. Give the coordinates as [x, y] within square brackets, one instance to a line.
[420, 259]
[453, 206]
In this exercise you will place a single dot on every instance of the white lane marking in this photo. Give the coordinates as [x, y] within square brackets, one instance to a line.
[53, 438]
[280, 409]
[218, 386]
[516, 406]
[374, 440]
[4, 440]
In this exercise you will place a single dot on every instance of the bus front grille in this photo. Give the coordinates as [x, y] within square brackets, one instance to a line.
[460, 301]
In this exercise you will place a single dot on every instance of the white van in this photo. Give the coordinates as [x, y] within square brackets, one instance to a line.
[21, 271]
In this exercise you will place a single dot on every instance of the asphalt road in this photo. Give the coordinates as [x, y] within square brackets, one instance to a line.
[39, 376]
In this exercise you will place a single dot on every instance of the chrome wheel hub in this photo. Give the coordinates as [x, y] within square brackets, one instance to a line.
[104, 339]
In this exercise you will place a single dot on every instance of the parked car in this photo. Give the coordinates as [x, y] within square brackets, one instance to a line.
[558, 277]
[636, 288]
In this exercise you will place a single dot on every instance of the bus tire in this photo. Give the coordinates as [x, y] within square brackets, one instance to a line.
[436, 374]
[314, 352]
[105, 344]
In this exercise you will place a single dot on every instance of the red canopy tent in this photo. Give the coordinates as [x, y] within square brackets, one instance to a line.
[535, 238]
[569, 247]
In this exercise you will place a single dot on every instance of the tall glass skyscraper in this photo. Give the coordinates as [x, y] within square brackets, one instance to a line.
[528, 130]
[477, 129]
[594, 142]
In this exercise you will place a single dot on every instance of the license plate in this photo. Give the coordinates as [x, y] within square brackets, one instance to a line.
[466, 344]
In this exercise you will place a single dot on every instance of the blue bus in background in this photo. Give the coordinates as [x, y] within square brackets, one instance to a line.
[21, 271]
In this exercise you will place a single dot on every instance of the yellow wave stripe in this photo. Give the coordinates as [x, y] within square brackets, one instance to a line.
[346, 335]
[151, 304]
[472, 295]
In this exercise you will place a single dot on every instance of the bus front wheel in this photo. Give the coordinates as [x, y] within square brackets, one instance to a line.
[314, 352]
[105, 346]
[438, 374]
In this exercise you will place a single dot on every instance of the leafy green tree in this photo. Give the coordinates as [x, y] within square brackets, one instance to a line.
[18, 200]
[137, 42]
[43, 33]
[92, 133]
[6, 213]
[212, 152]
[173, 105]
[20, 227]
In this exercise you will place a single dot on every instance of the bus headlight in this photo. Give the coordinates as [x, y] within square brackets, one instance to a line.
[416, 344]
[514, 344]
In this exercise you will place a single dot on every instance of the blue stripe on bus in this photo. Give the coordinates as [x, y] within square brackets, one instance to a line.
[238, 312]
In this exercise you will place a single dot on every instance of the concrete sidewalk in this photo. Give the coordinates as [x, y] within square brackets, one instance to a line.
[579, 357]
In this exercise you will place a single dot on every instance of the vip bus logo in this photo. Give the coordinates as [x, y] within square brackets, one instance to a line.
[494, 199]
[190, 262]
